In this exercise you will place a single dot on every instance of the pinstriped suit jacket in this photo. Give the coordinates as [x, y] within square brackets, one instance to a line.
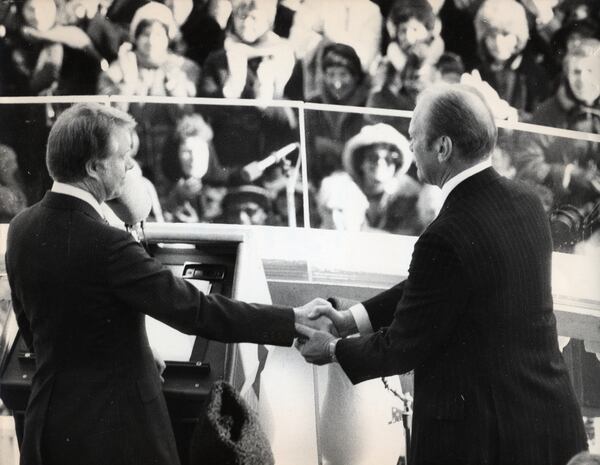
[474, 320]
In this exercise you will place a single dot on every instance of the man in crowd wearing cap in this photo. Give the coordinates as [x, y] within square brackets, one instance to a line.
[248, 205]
[80, 290]
[474, 318]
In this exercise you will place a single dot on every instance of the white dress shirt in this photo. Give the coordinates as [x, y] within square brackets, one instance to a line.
[68, 189]
[359, 312]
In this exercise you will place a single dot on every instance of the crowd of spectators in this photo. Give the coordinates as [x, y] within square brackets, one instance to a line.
[539, 59]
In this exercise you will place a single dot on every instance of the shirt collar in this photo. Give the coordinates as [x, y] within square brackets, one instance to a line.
[463, 175]
[68, 189]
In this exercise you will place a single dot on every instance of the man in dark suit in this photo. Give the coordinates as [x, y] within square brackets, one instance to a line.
[474, 318]
[80, 290]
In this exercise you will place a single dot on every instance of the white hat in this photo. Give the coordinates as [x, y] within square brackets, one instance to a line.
[154, 11]
[379, 133]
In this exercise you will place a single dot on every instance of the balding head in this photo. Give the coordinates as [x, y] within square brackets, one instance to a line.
[460, 113]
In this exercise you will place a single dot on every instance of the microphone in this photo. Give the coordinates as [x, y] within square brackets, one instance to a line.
[255, 170]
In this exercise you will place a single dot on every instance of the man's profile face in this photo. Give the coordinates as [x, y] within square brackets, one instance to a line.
[425, 156]
[113, 168]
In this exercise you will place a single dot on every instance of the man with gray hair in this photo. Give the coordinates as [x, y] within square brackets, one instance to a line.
[80, 290]
[474, 318]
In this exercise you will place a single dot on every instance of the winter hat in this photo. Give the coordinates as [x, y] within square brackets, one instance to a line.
[154, 11]
[380, 133]
[504, 15]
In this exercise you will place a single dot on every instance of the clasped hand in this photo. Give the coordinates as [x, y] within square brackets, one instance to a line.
[317, 325]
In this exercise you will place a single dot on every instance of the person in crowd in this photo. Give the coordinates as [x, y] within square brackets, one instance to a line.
[341, 203]
[458, 30]
[149, 68]
[12, 196]
[247, 205]
[188, 162]
[29, 66]
[317, 23]
[490, 383]
[506, 62]
[89, 40]
[571, 30]
[200, 30]
[80, 289]
[254, 63]
[414, 68]
[377, 159]
[344, 83]
[570, 168]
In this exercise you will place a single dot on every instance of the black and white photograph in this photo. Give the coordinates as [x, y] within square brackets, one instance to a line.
[300, 232]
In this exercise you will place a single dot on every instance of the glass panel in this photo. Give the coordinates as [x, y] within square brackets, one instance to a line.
[217, 164]
[361, 174]
[564, 172]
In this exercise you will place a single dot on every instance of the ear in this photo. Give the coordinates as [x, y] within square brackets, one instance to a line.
[444, 149]
[92, 168]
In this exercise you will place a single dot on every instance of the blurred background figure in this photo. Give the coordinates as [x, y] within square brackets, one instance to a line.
[254, 63]
[198, 22]
[410, 66]
[12, 197]
[188, 162]
[344, 83]
[149, 67]
[568, 167]
[341, 203]
[377, 159]
[505, 61]
[29, 66]
[247, 205]
[356, 23]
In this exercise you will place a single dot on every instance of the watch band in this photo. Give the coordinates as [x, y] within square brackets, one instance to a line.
[332, 346]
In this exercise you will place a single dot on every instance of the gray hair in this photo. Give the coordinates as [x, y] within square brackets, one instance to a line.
[80, 134]
[460, 112]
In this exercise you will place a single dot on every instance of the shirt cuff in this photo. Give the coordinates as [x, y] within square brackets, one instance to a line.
[361, 317]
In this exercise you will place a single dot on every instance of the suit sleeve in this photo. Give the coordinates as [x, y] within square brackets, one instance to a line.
[142, 284]
[381, 307]
[433, 299]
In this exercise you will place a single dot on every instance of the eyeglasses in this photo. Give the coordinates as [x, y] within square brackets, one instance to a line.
[390, 157]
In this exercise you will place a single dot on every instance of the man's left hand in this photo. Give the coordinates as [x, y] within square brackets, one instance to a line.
[314, 345]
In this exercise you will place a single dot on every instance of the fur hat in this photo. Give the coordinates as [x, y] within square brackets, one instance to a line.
[380, 133]
[154, 11]
[504, 15]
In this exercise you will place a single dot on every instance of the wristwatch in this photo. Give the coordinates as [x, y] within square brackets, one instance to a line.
[332, 345]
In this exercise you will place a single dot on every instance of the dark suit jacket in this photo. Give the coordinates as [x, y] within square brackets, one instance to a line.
[80, 289]
[474, 320]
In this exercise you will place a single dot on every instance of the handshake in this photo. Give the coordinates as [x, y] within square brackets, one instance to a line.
[319, 326]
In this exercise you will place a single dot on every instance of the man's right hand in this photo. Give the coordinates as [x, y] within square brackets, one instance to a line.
[315, 315]
[343, 320]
